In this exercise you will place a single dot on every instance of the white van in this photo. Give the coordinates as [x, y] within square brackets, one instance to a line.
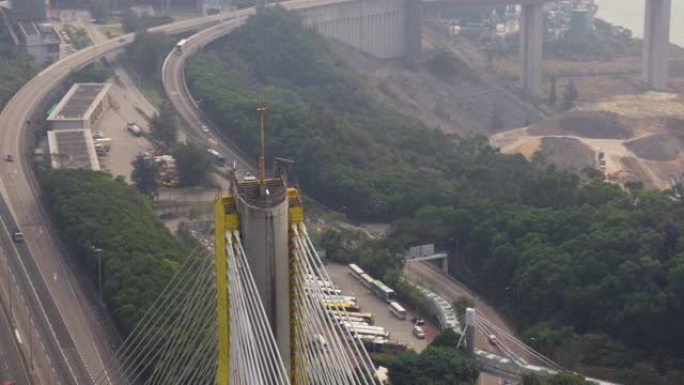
[418, 332]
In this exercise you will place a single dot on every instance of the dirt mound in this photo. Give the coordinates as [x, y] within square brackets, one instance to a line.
[567, 153]
[587, 124]
[661, 148]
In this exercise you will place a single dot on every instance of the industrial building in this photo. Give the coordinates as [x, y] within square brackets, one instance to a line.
[30, 30]
[38, 40]
[23, 10]
[81, 107]
[73, 148]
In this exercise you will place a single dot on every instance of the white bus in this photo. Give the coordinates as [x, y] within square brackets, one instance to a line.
[367, 317]
[383, 291]
[397, 310]
[180, 45]
[355, 271]
[366, 280]
[216, 157]
[366, 331]
[331, 291]
[340, 298]
[351, 320]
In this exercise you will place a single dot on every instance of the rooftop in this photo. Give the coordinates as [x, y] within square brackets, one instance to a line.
[79, 101]
[73, 149]
[248, 191]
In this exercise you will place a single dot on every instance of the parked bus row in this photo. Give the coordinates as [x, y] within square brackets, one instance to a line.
[386, 294]
[376, 286]
[344, 310]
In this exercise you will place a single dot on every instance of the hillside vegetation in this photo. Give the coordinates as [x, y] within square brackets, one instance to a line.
[103, 217]
[593, 273]
[15, 69]
[351, 153]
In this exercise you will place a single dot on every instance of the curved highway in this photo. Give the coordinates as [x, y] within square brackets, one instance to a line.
[173, 77]
[63, 317]
[175, 86]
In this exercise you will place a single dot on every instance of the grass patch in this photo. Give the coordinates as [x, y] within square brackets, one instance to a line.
[112, 30]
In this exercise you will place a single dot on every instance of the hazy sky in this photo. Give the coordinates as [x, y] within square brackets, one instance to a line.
[630, 14]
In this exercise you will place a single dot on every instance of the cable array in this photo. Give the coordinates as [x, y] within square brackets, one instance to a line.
[255, 358]
[505, 342]
[333, 354]
[175, 341]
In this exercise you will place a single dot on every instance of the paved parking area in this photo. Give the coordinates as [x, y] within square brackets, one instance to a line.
[125, 146]
[399, 330]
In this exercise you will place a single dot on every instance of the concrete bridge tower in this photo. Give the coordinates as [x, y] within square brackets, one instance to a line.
[262, 206]
[655, 66]
[531, 47]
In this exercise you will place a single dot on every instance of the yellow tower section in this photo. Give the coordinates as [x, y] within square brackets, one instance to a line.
[226, 220]
[298, 364]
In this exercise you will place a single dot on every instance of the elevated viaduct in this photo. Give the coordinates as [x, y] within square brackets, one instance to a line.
[391, 29]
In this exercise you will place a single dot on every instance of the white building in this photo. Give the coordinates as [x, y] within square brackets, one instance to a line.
[81, 107]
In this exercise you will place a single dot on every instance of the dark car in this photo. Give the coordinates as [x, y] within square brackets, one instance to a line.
[417, 320]
[9, 158]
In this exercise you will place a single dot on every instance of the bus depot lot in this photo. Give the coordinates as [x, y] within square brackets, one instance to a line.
[399, 330]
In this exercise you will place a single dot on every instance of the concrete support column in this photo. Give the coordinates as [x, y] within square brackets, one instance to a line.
[655, 60]
[531, 45]
[471, 317]
[413, 30]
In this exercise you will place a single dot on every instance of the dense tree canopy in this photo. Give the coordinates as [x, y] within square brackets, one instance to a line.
[147, 53]
[434, 366]
[15, 68]
[98, 214]
[144, 175]
[351, 152]
[582, 264]
[193, 164]
[164, 125]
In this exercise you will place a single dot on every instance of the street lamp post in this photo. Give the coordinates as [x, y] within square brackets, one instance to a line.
[99, 273]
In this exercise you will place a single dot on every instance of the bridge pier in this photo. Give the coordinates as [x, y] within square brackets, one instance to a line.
[413, 28]
[655, 66]
[471, 317]
[531, 45]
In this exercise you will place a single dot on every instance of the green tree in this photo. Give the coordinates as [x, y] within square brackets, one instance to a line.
[434, 366]
[570, 95]
[144, 175]
[192, 164]
[164, 126]
[553, 97]
[99, 10]
[139, 255]
[95, 72]
[148, 52]
[130, 22]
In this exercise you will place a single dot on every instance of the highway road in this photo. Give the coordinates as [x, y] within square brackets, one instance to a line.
[72, 333]
[173, 77]
[175, 86]
[12, 365]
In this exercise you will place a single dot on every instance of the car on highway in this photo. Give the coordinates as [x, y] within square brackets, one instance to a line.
[204, 129]
[17, 236]
[493, 340]
[9, 158]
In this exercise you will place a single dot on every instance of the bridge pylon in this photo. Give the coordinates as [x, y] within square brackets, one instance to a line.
[226, 220]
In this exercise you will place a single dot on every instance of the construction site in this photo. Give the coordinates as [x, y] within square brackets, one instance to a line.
[630, 138]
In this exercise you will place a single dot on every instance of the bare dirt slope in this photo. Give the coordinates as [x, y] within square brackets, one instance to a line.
[641, 136]
[567, 153]
[463, 103]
